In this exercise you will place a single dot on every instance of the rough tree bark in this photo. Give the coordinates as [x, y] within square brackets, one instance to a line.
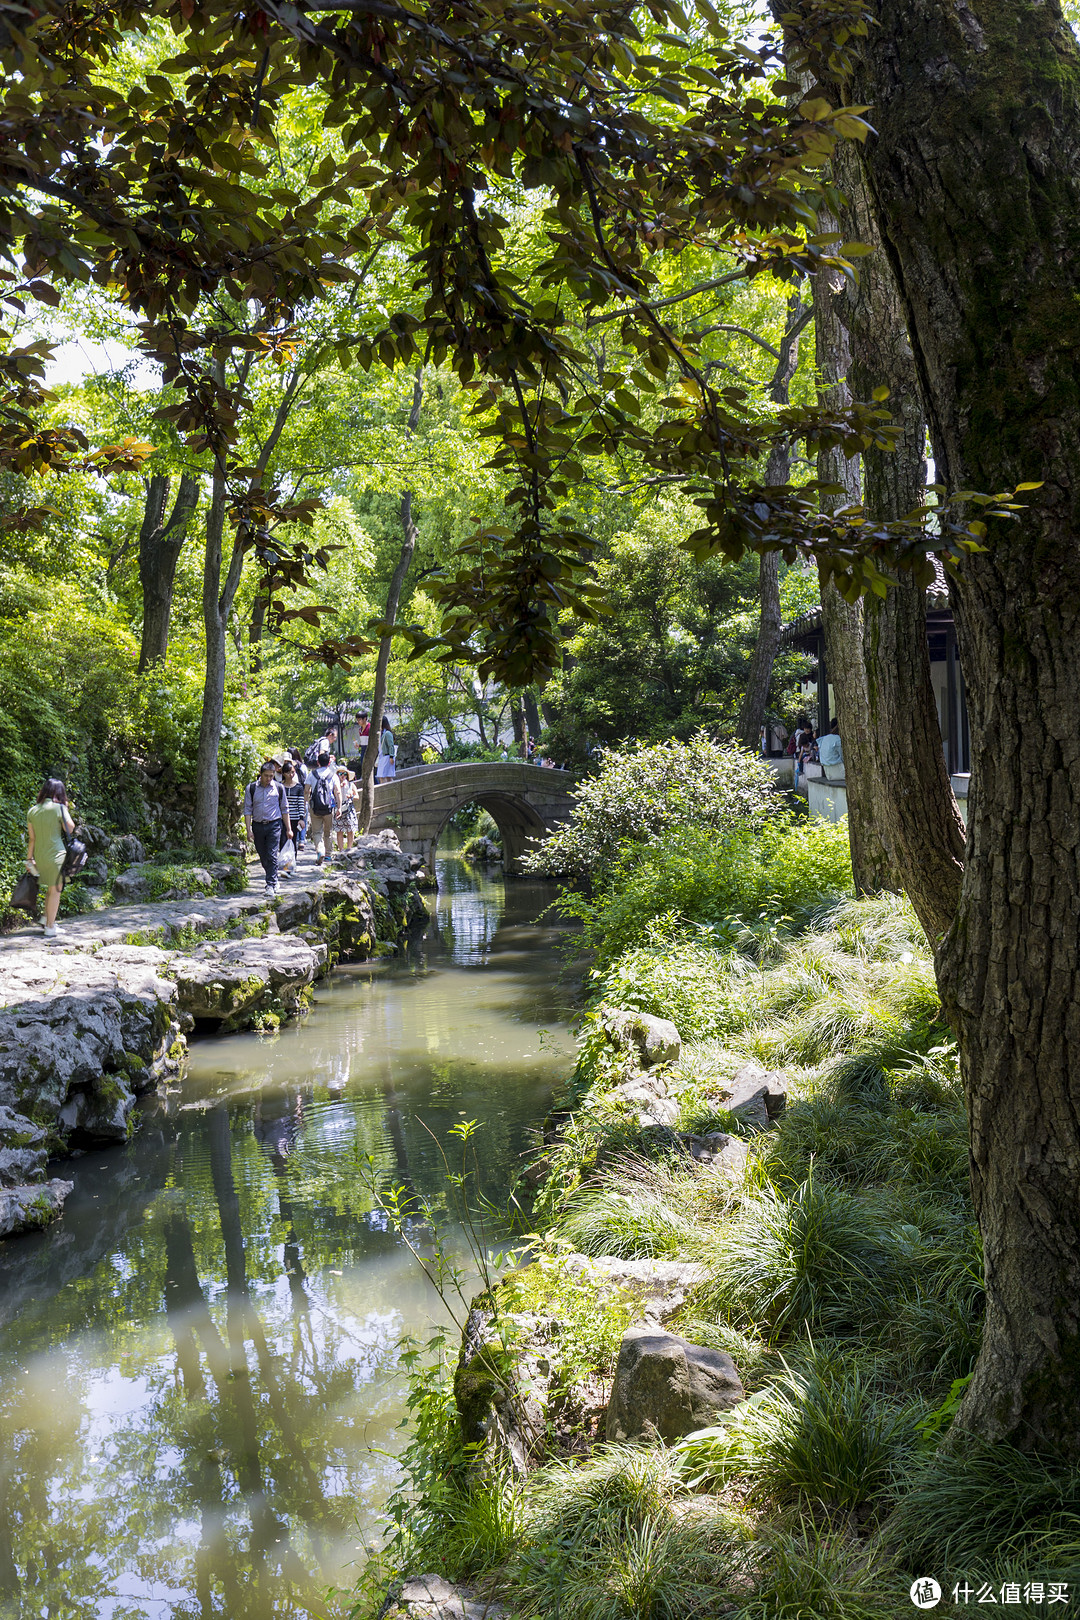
[770, 625]
[926, 831]
[160, 545]
[975, 181]
[393, 598]
[842, 622]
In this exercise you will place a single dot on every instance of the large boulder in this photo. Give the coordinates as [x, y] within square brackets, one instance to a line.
[668, 1387]
[649, 1040]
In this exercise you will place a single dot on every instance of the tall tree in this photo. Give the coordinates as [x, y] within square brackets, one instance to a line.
[842, 621]
[410, 535]
[777, 474]
[160, 545]
[974, 177]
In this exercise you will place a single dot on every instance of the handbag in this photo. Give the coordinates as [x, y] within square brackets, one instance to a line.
[24, 896]
[77, 853]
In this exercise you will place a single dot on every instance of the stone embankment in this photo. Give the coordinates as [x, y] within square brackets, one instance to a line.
[94, 1020]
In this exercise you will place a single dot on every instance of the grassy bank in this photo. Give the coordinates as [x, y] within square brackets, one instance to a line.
[840, 1269]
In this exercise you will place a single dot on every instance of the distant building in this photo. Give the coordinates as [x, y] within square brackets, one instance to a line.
[805, 633]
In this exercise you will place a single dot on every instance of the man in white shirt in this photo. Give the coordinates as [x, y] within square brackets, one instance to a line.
[831, 753]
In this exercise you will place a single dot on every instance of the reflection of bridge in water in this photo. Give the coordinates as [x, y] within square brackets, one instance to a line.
[524, 801]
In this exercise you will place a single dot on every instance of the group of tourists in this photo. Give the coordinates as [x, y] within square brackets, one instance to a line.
[312, 796]
[807, 747]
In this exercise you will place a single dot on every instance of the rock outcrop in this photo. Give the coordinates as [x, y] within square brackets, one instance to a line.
[431, 1597]
[667, 1387]
[755, 1095]
[647, 1039]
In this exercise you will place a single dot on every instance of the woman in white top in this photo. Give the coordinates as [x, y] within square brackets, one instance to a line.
[387, 767]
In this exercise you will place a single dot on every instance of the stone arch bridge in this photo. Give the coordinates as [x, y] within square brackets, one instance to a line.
[524, 801]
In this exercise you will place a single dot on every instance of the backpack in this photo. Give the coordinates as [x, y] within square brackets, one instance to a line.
[790, 749]
[311, 753]
[322, 793]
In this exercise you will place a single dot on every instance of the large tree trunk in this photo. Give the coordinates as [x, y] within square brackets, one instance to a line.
[842, 622]
[926, 832]
[975, 178]
[393, 598]
[160, 545]
[770, 625]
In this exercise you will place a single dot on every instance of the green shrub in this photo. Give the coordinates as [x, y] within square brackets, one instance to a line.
[646, 792]
[675, 977]
[725, 878]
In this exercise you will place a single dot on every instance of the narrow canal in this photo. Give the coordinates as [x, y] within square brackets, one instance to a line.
[200, 1403]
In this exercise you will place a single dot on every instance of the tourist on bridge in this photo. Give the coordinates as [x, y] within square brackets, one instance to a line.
[266, 815]
[345, 820]
[387, 767]
[47, 822]
[323, 800]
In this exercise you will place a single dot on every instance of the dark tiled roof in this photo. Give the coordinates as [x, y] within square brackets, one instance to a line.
[809, 623]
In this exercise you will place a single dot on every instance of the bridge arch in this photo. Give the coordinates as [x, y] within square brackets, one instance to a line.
[524, 801]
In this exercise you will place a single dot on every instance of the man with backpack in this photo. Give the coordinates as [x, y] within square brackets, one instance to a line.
[323, 797]
[266, 809]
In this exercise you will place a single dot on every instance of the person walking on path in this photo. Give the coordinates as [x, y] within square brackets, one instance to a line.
[293, 784]
[266, 812]
[324, 800]
[365, 736]
[47, 822]
[345, 820]
[386, 768]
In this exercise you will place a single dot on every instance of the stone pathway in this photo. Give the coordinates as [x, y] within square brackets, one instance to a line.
[163, 920]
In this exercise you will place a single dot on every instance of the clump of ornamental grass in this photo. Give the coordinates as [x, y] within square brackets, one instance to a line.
[810, 1254]
[824, 1434]
[977, 1508]
[636, 1208]
[811, 1572]
[618, 1539]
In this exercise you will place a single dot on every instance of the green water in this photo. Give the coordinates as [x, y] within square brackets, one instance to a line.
[199, 1394]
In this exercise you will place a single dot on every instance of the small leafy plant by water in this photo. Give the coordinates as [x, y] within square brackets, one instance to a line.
[842, 1273]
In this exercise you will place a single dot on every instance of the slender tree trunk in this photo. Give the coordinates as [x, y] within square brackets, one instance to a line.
[975, 180]
[160, 545]
[926, 836]
[217, 605]
[778, 471]
[532, 713]
[842, 622]
[393, 597]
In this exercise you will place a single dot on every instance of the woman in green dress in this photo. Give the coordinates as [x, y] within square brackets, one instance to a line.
[46, 822]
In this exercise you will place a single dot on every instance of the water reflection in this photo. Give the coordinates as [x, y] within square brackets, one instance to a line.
[199, 1402]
